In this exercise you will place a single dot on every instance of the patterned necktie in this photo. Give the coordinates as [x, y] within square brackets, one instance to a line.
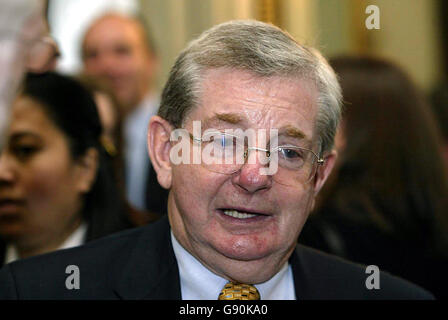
[239, 291]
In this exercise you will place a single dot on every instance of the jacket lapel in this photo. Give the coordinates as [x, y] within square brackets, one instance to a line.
[303, 277]
[150, 270]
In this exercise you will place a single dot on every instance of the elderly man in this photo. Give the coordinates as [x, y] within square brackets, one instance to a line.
[232, 227]
[118, 49]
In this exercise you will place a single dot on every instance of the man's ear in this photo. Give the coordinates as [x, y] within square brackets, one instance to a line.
[323, 171]
[159, 147]
[87, 170]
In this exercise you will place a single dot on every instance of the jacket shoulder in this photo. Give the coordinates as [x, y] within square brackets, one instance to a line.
[52, 275]
[318, 275]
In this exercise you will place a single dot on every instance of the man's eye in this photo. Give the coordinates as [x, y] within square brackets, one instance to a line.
[90, 54]
[123, 50]
[224, 141]
[290, 154]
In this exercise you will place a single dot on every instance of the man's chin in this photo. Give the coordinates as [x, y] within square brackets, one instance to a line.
[247, 260]
[244, 249]
[250, 271]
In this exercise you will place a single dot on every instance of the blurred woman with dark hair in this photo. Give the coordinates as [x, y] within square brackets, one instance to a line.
[57, 187]
[386, 204]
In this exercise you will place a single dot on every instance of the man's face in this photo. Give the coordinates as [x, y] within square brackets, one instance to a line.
[245, 250]
[114, 49]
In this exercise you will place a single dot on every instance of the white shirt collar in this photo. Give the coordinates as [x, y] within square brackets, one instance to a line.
[74, 240]
[199, 283]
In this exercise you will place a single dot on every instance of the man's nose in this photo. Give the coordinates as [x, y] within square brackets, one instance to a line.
[108, 62]
[102, 64]
[250, 177]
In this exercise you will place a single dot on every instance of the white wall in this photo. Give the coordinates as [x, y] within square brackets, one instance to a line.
[69, 20]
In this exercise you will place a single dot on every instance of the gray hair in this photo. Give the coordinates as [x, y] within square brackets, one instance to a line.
[262, 49]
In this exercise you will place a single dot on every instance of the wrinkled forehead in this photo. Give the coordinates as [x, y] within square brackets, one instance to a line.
[236, 98]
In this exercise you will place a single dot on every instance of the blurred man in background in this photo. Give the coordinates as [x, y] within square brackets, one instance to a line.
[118, 49]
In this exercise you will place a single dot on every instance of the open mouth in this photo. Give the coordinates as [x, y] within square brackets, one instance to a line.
[238, 214]
[241, 213]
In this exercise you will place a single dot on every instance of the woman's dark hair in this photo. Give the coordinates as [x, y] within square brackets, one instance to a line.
[72, 109]
[391, 172]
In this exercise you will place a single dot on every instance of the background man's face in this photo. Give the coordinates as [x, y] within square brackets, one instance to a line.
[114, 49]
[247, 250]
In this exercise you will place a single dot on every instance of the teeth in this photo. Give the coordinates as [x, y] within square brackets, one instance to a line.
[239, 215]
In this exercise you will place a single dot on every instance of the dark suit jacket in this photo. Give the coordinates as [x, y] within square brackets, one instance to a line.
[140, 264]
[333, 232]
